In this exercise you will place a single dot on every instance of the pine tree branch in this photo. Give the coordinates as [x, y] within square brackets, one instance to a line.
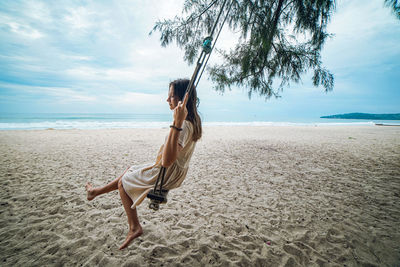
[201, 13]
[264, 51]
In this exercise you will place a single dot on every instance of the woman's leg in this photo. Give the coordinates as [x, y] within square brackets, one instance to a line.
[135, 229]
[94, 192]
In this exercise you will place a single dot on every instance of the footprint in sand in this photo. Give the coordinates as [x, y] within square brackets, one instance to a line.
[295, 252]
[333, 236]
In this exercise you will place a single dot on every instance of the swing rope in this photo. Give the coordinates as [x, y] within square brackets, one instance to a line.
[207, 49]
[159, 195]
[212, 48]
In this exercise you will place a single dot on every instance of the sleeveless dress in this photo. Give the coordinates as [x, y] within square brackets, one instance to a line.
[138, 180]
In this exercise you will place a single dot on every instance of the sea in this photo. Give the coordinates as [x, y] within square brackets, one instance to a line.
[41, 121]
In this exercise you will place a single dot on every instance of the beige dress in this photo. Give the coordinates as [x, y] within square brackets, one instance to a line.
[140, 179]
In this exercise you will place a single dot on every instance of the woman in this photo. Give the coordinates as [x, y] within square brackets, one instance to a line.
[136, 182]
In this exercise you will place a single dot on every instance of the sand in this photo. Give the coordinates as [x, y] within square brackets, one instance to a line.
[254, 196]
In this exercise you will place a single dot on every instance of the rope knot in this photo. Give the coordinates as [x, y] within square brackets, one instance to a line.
[207, 45]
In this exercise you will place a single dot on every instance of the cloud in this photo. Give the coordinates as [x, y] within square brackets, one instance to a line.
[36, 12]
[76, 57]
[133, 75]
[79, 18]
[99, 53]
[61, 94]
[366, 35]
[24, 30]
[137, 99]
[371, 17]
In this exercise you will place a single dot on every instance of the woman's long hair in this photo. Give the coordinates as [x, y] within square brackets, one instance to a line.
[180, 86]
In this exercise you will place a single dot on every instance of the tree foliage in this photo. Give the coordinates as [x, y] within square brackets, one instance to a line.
[279, 41]
[395, 5]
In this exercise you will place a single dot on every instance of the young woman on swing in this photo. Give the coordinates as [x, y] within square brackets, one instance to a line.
[136, 182]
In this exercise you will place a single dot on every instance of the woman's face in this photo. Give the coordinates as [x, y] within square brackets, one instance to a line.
[172, 100]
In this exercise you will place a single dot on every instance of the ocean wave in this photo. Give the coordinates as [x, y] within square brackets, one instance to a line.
[80, 125]
[69, 124]
[274, 123]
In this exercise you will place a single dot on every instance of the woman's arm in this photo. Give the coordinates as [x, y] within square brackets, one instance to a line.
[171, 147]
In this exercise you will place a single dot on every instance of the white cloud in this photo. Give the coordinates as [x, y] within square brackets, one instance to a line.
[79, 18]
[101, 52]
[63, 94]
[359, 19]
[365, 32]
[24, 30]
[109, 74]
[137, 99]
[37, 11]
[17, 58]
[76, 57]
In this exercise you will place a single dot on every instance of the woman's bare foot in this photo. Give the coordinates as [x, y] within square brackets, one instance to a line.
[90, 191]
[132, 234]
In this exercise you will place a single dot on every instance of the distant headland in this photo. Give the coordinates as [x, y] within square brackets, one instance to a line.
[364, 116]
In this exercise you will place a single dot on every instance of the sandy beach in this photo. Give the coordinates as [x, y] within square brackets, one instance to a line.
[254, 196]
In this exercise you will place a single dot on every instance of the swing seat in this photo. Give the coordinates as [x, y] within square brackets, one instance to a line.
[156, 198]
[162, 198]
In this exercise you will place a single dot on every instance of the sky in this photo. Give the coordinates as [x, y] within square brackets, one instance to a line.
[98, 57]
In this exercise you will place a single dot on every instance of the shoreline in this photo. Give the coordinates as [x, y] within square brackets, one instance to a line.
[221, 125]
[116, 123]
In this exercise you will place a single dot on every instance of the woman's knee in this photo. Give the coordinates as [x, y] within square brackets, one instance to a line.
[120, 186]
[123, 173]
[120, 178]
